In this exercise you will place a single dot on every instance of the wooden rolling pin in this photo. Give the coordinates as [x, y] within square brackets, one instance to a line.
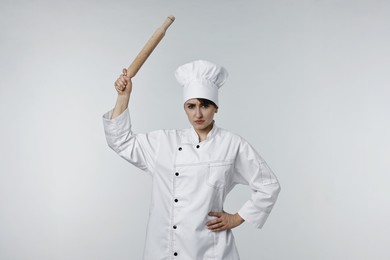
[149, 47]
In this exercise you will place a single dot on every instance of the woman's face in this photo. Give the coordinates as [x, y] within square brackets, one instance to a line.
[200, 116]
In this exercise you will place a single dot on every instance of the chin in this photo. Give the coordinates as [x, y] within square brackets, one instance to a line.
[199, 127]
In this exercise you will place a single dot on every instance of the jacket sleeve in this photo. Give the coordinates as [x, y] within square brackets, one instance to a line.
[252, 170]
[139, 149]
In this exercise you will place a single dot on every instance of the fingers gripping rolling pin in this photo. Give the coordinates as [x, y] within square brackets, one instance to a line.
[149, 47]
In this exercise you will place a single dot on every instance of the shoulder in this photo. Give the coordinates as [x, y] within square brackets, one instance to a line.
[235, 140]
[230, 135]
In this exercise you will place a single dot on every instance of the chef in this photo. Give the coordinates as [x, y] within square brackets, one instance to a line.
[192, 171]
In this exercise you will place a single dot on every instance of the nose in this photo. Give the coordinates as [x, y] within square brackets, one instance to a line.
[198, 113]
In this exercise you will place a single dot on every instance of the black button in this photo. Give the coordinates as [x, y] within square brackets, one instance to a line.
[176, 200]
[180, 149]
[174, 227]
[197, 146]
[177, 174]
[175, 254]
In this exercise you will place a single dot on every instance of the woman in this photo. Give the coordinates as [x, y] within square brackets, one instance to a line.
[193, 170]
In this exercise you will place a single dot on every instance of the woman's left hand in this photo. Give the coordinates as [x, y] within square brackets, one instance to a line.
[224, 221]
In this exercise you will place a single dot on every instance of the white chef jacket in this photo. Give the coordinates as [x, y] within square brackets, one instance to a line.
[190, 179]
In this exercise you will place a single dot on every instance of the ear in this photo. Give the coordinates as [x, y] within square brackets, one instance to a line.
[216, 111]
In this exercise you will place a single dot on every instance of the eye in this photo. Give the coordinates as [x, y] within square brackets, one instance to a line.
[190, 106]
[205, 106]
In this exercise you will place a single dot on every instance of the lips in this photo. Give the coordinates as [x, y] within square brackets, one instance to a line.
[199, 122]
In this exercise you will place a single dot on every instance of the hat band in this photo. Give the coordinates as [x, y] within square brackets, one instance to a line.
[201, 89]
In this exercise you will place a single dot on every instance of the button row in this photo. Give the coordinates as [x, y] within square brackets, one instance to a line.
[197, 146]
[176, 201]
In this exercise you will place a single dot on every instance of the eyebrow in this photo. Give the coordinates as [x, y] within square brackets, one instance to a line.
[194, 104]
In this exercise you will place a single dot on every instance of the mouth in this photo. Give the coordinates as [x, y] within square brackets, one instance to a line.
[199, 122]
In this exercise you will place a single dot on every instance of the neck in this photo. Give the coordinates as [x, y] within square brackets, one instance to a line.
[202, 133]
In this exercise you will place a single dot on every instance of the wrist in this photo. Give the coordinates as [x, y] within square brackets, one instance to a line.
[238, 218]
[124, 96]
[123, 100]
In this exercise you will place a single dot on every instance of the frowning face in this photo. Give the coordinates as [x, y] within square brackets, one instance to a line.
[199, 114]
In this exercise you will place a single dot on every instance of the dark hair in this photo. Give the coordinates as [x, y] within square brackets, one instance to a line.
[206, 102]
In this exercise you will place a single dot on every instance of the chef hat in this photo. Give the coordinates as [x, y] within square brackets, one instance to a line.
[201, 79]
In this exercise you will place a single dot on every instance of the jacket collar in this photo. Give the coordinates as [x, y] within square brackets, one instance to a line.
[211, 134]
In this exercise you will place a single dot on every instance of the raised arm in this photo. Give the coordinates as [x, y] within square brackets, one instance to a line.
[123, 86]
[138, 149]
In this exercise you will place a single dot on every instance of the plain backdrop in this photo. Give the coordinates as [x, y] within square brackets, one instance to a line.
[309, 87]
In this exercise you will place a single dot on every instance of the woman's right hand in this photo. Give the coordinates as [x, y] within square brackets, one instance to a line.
[123, 84]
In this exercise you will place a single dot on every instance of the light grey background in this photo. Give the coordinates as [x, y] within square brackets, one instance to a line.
[308, 87]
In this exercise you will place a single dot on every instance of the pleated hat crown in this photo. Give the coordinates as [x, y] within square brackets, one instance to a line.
[201, 79]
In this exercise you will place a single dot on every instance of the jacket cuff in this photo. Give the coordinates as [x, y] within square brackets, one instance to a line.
[253, 216]
[118, 125]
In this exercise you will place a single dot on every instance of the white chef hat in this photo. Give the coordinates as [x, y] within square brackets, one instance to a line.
[201, 79]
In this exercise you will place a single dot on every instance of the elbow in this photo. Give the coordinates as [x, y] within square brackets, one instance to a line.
[116, 145]
[276, 191]
[278, 188]
[111, 143]
[113, 147]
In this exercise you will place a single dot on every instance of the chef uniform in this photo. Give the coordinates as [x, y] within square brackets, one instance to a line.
[192, 178]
